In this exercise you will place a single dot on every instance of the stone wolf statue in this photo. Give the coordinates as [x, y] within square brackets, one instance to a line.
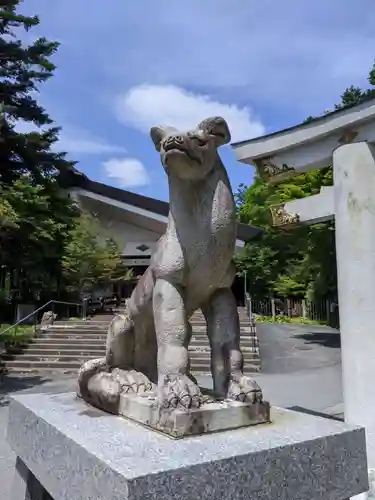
[191, 268]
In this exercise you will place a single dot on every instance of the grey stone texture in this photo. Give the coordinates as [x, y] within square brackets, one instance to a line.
[79, 452]
[191, 268]
[212, 416]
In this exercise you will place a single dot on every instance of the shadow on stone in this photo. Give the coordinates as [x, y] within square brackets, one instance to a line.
[10, 383]
[324, 339]
[307, 411]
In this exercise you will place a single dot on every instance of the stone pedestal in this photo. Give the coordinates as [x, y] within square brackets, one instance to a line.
[75, 452]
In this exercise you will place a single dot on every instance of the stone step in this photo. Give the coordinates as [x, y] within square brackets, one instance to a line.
[204, 356]
[202, 365]
[245, 340]
[97, 328]
[89, 332]
[200, 357]
[25, 365]
[52, 341]
[75, 324]
[65, 345]
[73, 367]
[74, 328]
[206, 348]
[103, 336]
[89, 328]
[203, 330]
[95, 351]
[74, 336]
[49, 358]
[102, 324]
[82, 322]
[90, 324]
[206, 345]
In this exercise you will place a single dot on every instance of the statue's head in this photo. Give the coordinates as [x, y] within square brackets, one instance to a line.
[191, 155]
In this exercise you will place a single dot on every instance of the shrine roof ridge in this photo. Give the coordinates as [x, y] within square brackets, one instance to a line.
[76, 179]
[339, 118]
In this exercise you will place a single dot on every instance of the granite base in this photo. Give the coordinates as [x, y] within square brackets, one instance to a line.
[76, 452]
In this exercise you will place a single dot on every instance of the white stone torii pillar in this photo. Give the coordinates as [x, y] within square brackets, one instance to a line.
[351, 201]
[354, 198]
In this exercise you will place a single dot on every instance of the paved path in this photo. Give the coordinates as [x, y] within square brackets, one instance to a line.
[287, 348]
[301, 367]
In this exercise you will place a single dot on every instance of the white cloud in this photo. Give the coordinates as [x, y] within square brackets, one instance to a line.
[288, 59]
[128, 172]
[79, 141]
[75, 140]
[146, 105]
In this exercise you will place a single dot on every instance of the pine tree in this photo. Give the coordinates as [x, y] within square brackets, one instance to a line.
[35, 214]
[23, 67]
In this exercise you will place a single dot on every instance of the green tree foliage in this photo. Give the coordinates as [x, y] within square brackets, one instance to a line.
[8, 217]
[40, 227]
[34, 213]
[34, 223]
[88, 262]
[280, 262]
[300, 262]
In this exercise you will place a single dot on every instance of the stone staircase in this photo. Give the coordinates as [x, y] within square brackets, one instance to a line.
[65, 345]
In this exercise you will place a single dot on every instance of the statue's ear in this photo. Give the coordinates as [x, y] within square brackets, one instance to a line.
[218, 128]
[157, 135]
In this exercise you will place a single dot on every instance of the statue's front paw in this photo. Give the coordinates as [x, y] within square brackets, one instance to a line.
[179, 391]
[131, 381]
[245, 389]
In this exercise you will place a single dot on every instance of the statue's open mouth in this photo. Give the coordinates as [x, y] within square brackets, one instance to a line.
[182, 151]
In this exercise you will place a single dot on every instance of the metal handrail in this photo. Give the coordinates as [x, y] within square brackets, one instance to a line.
[248, 306]
[38, 310]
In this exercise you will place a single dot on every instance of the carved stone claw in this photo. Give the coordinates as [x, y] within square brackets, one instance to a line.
[179, 391]
[132, 381]
[244, 389]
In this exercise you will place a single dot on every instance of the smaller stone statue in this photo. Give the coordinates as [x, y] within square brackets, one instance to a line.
[47, 319]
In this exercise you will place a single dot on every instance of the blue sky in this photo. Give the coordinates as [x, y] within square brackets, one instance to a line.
[125, 65]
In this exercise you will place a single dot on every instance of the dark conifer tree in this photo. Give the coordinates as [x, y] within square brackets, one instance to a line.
[23, 67]
[36, 214]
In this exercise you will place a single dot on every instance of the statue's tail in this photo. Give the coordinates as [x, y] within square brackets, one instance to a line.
[87, 371]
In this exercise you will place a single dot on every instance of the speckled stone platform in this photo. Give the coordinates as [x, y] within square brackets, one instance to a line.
[212, 416]
[79, 453]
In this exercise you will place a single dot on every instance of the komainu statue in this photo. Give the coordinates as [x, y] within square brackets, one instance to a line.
[191, 268]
